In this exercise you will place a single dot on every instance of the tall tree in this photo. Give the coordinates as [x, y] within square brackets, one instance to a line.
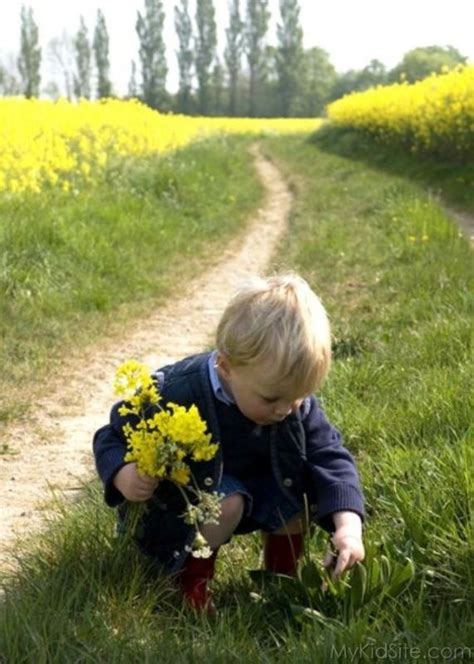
[318, 79]
[206, 42]
[268, 91]
[51, 90]
[132, 82]
[217, 87]
[255, 32]
[184, 30]
[421, 62]
[233, 52]
[152, 53]
[289, 54]
[9, 83]
[29, 61]
[62, 59]
[358, 80]
[82, 77]
[101, 53]
[375, 73]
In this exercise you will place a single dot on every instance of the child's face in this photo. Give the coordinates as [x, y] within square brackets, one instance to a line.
[260, 401]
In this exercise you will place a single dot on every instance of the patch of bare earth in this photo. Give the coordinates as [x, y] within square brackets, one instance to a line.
[465, 221]
[52, 456]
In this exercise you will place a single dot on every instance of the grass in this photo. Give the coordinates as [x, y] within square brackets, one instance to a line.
[394, 274]
[74, 265]
[448, 180]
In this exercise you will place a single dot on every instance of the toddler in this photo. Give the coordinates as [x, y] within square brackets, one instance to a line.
[279, 461]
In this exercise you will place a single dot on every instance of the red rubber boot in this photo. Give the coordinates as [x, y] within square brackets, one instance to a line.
[193, 581]
[282, 552]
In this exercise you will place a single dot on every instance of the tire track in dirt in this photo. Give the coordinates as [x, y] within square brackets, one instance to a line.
[52, 456]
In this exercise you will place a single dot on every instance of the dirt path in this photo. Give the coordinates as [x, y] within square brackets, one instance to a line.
[465, 221]
[53, 456]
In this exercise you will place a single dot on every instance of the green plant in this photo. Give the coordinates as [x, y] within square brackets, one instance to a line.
[316, 595]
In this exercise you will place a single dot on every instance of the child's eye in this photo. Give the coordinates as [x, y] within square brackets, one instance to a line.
[270, 400]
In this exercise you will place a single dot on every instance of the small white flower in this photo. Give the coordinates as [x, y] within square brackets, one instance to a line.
[204, 552]
[201, 549]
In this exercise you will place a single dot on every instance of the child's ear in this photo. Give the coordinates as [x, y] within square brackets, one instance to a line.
[223, 364]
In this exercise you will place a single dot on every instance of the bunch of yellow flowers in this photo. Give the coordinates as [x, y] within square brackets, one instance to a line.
[163, 443]
[435, 115]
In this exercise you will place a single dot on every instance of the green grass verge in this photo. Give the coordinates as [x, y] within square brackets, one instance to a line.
[448, 180]
[394, 274]
[73, 266]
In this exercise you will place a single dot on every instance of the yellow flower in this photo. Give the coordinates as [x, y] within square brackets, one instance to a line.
[134, 382]
[180, 475]
[187, 425]
[66, 144]
[205, 452]
[159, 443]
[434, 115]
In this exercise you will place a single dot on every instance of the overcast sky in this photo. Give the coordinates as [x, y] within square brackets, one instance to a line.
[353, 32]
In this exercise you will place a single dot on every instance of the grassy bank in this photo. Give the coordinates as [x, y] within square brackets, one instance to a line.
[449, 181]
[76, 265]
[393, 272]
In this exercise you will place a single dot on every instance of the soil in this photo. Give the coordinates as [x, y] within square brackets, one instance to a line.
[52, 458]
[465, 221]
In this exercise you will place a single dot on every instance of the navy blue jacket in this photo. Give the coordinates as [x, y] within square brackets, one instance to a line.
[307, 457]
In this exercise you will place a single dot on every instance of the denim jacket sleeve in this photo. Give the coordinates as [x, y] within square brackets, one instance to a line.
[332, 471]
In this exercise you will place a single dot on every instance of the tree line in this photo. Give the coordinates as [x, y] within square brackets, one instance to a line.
[254, 78]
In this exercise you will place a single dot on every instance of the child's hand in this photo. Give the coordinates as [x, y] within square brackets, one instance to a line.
[346, 543]
[132, 485]
[349, 549]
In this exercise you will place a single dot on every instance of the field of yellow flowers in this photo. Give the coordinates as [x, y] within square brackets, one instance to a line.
[61, 144]
[433, 116]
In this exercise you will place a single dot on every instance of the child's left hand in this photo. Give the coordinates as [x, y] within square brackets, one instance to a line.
[346, 543]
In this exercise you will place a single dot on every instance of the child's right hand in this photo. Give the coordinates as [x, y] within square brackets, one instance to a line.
[132, 485]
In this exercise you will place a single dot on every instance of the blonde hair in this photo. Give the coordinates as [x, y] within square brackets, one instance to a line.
[281, 322]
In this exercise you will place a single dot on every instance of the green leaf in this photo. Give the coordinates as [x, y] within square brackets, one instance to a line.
[373, 574]
[271, 581]
[385, 569]
[358, 585]
[337, 587]
[402, 576]
[311, 576]
[306, 614]
[262, 577]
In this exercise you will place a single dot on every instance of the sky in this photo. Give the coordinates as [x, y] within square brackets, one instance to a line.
[353, 32]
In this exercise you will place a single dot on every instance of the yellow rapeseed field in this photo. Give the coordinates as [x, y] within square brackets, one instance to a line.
[62, 144]
[435, 115]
